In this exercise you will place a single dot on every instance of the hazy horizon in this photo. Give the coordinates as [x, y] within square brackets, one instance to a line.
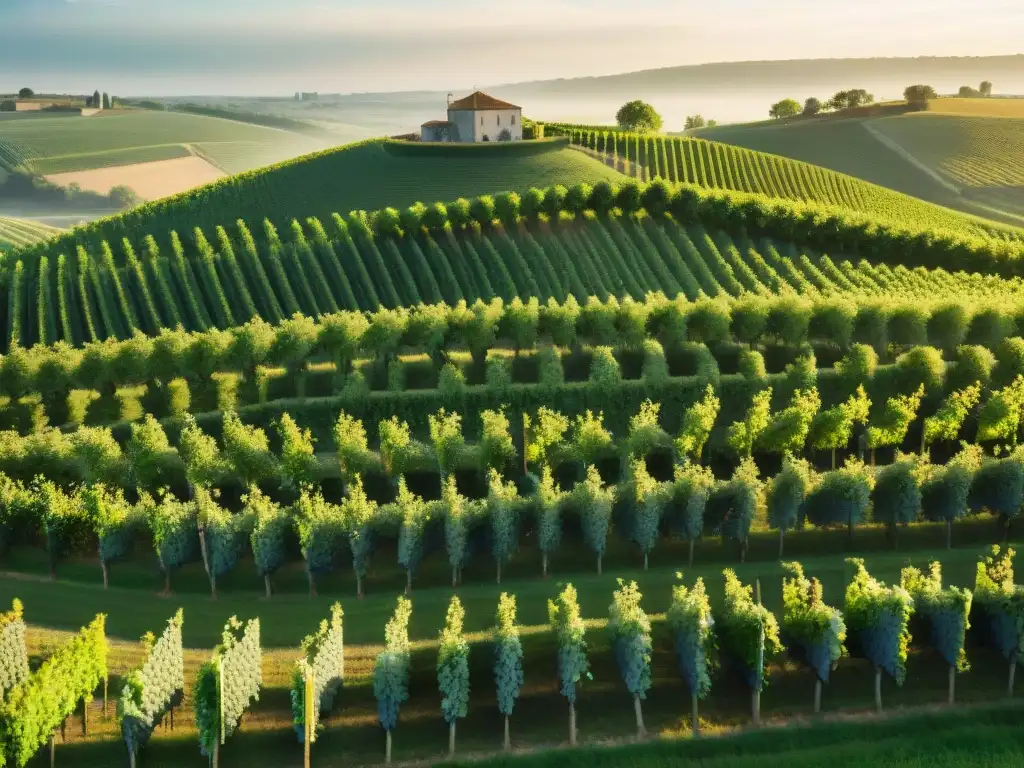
[265, 47]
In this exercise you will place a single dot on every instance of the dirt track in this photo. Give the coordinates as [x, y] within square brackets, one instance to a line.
[149, 180]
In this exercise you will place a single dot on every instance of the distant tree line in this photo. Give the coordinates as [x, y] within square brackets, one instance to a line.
[983, 91]
[917, 97]
[851, 99]
[640, 117]
[698, 121]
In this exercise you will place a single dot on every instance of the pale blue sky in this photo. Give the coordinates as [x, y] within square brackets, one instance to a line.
[264, 46]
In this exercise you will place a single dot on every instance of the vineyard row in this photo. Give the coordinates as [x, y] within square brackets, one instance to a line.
[492, 332]
[878, 622]
[501, 247]
[640, 508]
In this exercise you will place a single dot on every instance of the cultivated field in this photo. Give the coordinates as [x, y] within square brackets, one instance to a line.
[17, 233]
[64, 144]
[964, 141]
[979, 107]
[721, 166]
[840, 145]
[222, 276]
[984, 156]
[113, 159]
[351, 735]
[149, 180]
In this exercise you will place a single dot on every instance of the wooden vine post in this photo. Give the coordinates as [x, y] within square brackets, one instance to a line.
[307, 708]
[755, 696]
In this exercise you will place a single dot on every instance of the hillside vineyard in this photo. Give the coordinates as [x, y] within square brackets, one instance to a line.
[716, 165]
[743, 359]
[583, 241]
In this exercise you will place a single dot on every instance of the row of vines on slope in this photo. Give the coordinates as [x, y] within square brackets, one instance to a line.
[349, 351]
[582, 241]
[715, 165]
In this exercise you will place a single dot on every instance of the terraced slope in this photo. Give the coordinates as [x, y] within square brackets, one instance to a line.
[721, 166]
[223, 278]
[62, 144]
[17, 233]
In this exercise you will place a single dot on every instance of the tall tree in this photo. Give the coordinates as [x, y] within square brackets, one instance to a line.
[918, 96]
[391, 671]
[453, 670]
[743, 435]
[783, 109]
[508, 660]
[630, 631]
[570, 633]
[639, 117]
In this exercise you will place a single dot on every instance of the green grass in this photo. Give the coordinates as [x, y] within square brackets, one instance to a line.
[16, 233]
[97, 140]
[605, 713]
[940, 739]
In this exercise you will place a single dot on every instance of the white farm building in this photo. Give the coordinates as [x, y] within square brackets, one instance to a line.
[477, 118]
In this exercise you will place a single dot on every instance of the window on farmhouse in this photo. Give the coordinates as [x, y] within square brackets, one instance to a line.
[513, 119]
[481, 119]
[499, 119]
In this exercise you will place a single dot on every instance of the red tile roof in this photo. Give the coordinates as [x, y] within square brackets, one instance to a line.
[480, 101]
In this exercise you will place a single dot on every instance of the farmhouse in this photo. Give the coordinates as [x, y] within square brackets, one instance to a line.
[477, 118]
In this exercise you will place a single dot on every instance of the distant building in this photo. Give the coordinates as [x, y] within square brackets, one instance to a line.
[476, 118]
[29, 106]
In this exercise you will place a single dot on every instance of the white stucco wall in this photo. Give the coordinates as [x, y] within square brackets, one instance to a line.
[474, 125]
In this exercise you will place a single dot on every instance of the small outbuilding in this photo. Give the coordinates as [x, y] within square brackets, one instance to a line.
[476, 118]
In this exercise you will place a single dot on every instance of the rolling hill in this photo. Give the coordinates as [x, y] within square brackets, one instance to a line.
[718, 165]
[17, 233]
[63, 144]
[365, 176]
[983, 157]
[960, 154]
[581, 242]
